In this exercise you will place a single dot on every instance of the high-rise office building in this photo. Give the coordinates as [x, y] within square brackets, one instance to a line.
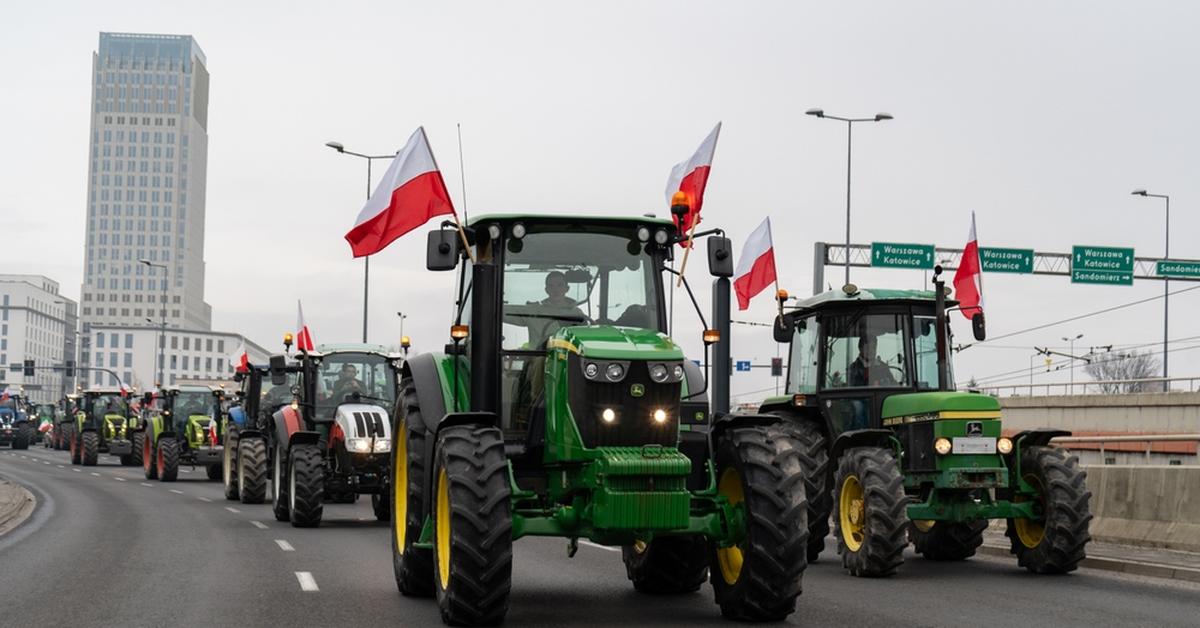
[146, 184]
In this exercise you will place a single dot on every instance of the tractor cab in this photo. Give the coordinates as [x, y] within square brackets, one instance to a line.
[105, 409]
[14, 426]
[186, 410]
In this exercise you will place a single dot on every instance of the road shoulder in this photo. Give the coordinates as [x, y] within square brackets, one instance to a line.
[16, 504]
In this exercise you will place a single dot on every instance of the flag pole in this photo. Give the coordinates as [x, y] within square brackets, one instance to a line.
[687, 251]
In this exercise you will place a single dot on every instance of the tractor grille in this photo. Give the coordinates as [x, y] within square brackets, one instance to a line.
[917, 440]
[634, 424]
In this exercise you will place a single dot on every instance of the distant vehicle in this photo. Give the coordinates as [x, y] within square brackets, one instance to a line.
[182, 426]
[15, 429]
[102, 424]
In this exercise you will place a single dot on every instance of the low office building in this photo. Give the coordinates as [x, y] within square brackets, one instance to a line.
[36, 323]
[131, 354]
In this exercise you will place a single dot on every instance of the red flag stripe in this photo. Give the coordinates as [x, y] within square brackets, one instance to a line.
[412, 205]
[761, 275]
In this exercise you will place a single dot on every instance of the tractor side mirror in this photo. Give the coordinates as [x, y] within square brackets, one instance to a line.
[720, 256]
[278, 373]
[441, 251]
[784, 329]
[977, 327]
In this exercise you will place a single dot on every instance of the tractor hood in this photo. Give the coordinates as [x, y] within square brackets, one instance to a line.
[616, 343]
[945, 403]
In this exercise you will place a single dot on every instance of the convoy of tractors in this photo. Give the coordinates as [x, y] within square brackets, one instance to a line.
[562, 405]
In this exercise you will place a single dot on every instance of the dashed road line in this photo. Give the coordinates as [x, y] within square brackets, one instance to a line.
[232, 509]
[119, 479]
[95, 474]
[147, 484]
[45, 462]
[603, 547]
[60, 466]
[177, 492]
[204, 499]
[77, 470]
[258, 524]
[284, 545]
[307, 582]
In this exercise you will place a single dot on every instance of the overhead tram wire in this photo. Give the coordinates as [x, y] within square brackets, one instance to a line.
[997, 378]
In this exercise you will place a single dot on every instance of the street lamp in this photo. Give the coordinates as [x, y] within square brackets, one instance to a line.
[1073, 358]
[162, 330]
[1166, 282]
[402, 316]
[879, 117]
[366, 258]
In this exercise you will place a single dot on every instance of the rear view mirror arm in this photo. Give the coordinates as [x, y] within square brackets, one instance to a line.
[690, 296]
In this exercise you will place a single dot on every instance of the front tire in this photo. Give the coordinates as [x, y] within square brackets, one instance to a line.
[229, 464]
[23, 436]
[306, 486]
[946, 541]
[1057, 543]
[76, 448]
[136, 445]
[814, 458]
[279, 476]
[759, 579]
[90, 444]
[168, 459]
[869, 512]
[667, 565]
[252, 470]
[472, 526]
[411, 566]
[149, 457]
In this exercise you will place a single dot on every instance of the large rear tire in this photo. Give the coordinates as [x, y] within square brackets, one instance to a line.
[667, 565]
[1057, 543]
[279, 476]
[412, 566]
[759, 470]
[869, 512]
[168, 459]
[149, 456]
[472, 526]
[76, 448]
[229, 475]
[89, 442]
[818, 477]
[306, 486]
[136, 446]
[252, 470]
[946, 541]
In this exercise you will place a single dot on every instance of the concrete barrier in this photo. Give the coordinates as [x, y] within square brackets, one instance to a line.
[1159, 413]
[1149, 506]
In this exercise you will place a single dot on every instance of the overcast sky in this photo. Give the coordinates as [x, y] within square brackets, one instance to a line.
[1039, 116]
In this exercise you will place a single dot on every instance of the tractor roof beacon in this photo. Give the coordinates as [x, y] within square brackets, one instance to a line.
[886, 438]
[562, 407]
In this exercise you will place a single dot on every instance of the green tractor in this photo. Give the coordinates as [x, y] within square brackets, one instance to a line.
[103, 424]
[182, 426]
[895, 454]
[562, 408]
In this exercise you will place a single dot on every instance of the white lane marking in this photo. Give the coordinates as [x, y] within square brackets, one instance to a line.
[77, 470]
[177, 492]
[119, 479]
[603, 547]
[232, 509]
[95, 474]
[60, 466]
[258, 524]
[45, 462]
[284, 545]
[307, 583]
[147, 484]
[204, 499]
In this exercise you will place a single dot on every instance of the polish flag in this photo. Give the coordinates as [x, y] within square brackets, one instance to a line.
[240, 360]
[411, 192]
[690, 177]
[212, 432]
[756, 267]
[304, 341]
[968, 279]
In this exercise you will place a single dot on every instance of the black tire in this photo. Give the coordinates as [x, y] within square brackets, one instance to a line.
[306, 486]
[412, 566]
[667, 565]
[136, 445]
[875, 546]
[381, 505]
[947, 541]
[229, 464]
[149, 456]
[213, 472]
[89, 443]
[126, 460]
[472, 526]
[1064, 535]
[22, 437]
[76, 448]
[252, 470]
[168, 459]
[760, 578]
[279, 475]
[818, 478]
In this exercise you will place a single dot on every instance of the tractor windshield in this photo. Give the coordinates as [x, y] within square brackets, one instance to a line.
[193, 402]
[866, 351]
[273, 396]
[108, 404]
[345, 377]
[586, 275]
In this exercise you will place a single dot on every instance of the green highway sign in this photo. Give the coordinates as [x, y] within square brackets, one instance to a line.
[1117, 260]
[996, 260]
[1167, 268]
[1108, 277]
[895, 255]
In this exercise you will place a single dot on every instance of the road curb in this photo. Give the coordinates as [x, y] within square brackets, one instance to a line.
[16, 504]
[1133, 567]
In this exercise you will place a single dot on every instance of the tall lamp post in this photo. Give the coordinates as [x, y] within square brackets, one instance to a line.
[162, 328]
[402, 316]
[366, 258]
[1073, 358]
[879, 117]
[1166, 283]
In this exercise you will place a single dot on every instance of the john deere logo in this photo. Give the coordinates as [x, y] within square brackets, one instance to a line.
[974, 428]
[637, 390]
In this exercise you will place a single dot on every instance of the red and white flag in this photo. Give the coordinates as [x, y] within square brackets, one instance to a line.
[212, 433]
[756, 267]
[412, 191]
[304, 341]
[690, 177]
[240, 360]
[968, 279]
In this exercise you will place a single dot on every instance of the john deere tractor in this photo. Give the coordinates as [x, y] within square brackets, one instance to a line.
[16, 430]
[562, 408]
[248, 432]
[333, 443]
[895, 454]
[103, 424]
[182, 426]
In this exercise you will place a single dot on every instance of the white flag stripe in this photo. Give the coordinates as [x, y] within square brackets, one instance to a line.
[413, 160]
[702, 157]
[758, 243]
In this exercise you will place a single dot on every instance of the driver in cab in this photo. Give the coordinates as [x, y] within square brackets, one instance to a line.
[867, 369]
[347, 383]
[555, 311]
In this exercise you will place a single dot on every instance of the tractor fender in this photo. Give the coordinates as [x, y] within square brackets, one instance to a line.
[237, 416]
[303, 438]
[1038, 437]
[864, 438]
[729, 421]
[287, 422]
[250, 432]
[426, 376]
[486, 419]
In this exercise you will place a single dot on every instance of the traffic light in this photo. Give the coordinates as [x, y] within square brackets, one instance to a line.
[70, 369]
[776, 367]
[28, 368]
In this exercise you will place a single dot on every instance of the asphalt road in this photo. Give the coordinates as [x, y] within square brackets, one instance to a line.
[106, 547]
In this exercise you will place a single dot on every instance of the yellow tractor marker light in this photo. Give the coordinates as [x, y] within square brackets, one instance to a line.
[458, 332]
[405, 342]
[711, 336]
[798, 400]
[680, 199]
[781, 294]
[1004, 445]
[942, 446]
[287, 341]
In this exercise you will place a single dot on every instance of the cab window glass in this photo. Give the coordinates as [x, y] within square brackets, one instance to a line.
[866, 351]
[802, 372]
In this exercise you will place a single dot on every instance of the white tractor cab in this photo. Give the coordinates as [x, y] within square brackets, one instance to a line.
[333, 443]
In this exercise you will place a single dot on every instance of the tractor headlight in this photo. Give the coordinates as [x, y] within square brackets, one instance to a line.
[659, 373]
[605, 371]
[358, 445]
[643, 234]
[614, 372]
[591, 370]
[661, 236]
[382, 445]
[1004, 446]
[677, 372]
[942, 446]
[518, 230]
[660, 416]
[608, 415]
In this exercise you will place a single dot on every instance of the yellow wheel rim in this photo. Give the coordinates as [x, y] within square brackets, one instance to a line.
[443, 528]
[852, 513]
[1030, 532]
[924, 525]
[729, 559]
[400, 487]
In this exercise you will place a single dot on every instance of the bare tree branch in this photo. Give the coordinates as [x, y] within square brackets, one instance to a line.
[1109, 367]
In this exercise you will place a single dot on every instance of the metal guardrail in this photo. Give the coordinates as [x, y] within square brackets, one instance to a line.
[1129, 438]
[1109, 387]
